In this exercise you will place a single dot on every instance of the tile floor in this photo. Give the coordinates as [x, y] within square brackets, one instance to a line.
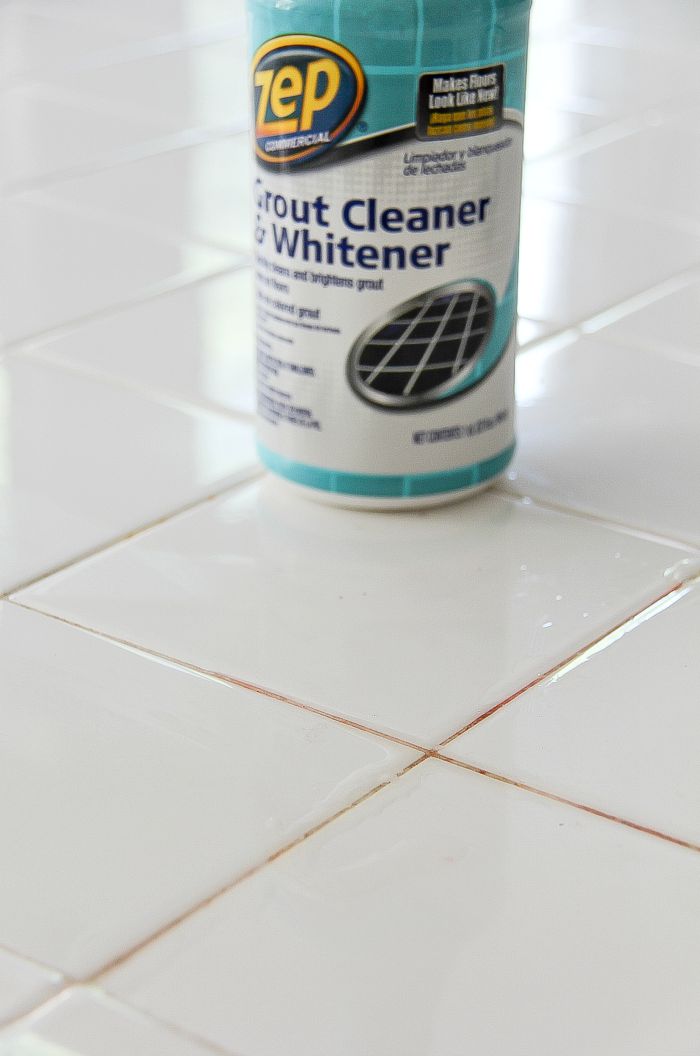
[250, 804]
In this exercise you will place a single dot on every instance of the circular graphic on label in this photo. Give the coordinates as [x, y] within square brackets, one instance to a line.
[307, 93]
[426, 350]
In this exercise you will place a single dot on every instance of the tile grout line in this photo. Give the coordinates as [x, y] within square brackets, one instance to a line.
[246, 476]
[96, 977]
[246, 875]
[158, 146]
[677, 588]
[45, 1006]
[510, 488]
[22, 345]
[154, 292]
[555, 798]
[219, 677]
[173, 400]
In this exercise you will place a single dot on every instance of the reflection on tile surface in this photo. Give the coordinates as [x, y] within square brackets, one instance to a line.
[669, 324]
[145, 788]
[203, 192]
[606, 733]
[612, 430]
[86, 1023]
[578, 260]
[59, 265]
[196, 344]
[609, 175]
[83, 462]
[447, 907]
[317, 603]
[23, 985]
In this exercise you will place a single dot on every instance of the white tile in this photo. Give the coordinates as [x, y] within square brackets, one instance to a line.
[617, 731]
[667, 155]
[530, 330]
[45, 135]
[671, 26]
[86, 1023]
[139, 789]
[204, 192]
[410, 623]
[82, 462]
[157, 16]
[36, 38]
[59, 265]
[23, 986]
[670, 324]
[548, 129]
[578, 260]
[612, 430]
[611, 82]
[448, 913]
[199, 87]
[197, 344]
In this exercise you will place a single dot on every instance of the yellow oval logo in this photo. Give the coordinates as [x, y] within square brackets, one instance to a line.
[307, 94]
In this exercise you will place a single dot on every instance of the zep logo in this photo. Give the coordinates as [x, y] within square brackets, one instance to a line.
[307, 93]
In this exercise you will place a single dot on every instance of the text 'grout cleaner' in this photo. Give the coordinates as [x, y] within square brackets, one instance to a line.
[388, 137]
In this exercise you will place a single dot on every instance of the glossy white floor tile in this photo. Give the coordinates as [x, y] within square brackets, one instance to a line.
[48, 135]
[669, 156]
[157, 16]
[315, 602]
[653, 28]
[36, 37]
[203, 192]
[612, 430]
[83, 462]
[548, 129]
[197, 87]
[58, 265]
[86, 1023]
[669, 324]
[447, 910]
[196, 344]
[606, 731]
[145, 807]
[23, 986]
[578, 260]
[611, 82]
[144, 788]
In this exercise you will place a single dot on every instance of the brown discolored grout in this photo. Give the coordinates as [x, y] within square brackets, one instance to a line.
[555, 798]
[246, 875]
[247, 476]
[676, 589]
[215, 676]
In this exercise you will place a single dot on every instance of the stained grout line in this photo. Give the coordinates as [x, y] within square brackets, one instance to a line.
[586, 808]
[248, 873]
[678, 588]
[245, 477]
[220, 678]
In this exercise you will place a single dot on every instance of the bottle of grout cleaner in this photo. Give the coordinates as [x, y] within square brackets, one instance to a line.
[388, 138]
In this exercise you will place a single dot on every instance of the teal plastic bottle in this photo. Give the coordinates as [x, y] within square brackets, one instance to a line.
[388, 142]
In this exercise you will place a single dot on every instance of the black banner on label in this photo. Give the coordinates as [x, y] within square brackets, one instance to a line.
[460, 103]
